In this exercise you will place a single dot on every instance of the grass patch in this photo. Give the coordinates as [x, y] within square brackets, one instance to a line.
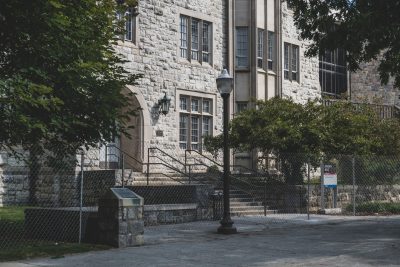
[376, 207]
[14, 245]
[46, 249]
[12, 214]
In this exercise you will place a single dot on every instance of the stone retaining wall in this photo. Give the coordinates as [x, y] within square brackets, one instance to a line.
[364, 193]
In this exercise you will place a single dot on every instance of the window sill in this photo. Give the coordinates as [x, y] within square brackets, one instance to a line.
[195, 63]
[271, 72]
[127, 44]
[260, 70]
[241, 69]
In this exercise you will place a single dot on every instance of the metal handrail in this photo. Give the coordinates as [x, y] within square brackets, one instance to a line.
[125, 153]
[164, 163]
[204, 156]
[166, 154]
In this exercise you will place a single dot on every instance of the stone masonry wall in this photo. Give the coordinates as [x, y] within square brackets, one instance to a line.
[156, 56]
[380, 193]
[308, 88]
[366, 86]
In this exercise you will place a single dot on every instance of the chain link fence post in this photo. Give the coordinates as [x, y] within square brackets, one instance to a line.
[353, 163]
[81, 198]
[308, 191]
[322, 187]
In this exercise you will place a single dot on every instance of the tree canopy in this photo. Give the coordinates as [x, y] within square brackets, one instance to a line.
[298, 133]
[61, 81]
[366, 29]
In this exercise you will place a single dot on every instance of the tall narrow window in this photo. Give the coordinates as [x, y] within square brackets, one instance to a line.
[128, 25]
[286, 61]
[183, 130]
[242, 47]
[291, 62]
[271, 50]
[295, 62]
[195, 121]
[184, 36]
[195, 132]
[199, 39]
[195, 39]
[260, 48]
[206, 41]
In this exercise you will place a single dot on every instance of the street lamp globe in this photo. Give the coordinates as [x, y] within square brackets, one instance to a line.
[224, 83]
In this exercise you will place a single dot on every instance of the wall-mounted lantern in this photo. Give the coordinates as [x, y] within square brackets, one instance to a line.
[164, 104]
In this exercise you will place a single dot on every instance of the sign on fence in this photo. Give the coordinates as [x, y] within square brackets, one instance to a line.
[330, 176]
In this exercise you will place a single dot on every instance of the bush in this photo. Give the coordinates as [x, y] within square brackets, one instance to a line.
[376, 207]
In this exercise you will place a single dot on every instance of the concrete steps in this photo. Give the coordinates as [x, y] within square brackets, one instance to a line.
[243, 204]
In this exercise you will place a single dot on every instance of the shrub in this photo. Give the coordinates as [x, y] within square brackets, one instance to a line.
[376, 207]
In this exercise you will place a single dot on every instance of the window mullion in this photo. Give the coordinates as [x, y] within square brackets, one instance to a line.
[200, 30]
[189, 54]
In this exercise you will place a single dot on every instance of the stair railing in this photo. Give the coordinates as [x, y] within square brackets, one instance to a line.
[151, 154]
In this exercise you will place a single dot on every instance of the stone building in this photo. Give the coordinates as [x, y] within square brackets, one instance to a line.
[181, 46]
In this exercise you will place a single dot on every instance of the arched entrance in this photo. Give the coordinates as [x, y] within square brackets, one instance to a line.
[134, 146]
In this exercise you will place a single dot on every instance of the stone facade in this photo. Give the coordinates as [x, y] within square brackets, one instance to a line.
[308, 87]
[366, 86]
[156, 54]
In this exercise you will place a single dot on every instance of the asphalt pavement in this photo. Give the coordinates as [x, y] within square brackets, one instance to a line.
[289, 240]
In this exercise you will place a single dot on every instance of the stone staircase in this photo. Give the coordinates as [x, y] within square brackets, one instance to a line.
[243, 204]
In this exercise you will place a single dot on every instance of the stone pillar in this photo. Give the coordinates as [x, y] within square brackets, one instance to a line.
[120, 218]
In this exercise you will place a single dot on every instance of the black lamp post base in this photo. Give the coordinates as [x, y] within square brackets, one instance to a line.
[226, 228]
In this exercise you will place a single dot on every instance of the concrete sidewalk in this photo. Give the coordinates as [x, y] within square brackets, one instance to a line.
[294, 241]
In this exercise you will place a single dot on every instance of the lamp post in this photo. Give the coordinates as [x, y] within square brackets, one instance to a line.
[225, 85]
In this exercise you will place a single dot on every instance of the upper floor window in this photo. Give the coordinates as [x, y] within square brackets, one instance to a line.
[195, 121]
[291, 62]
[130, 24]
[242, 47]
[241, 106]
[195, 39]
[260, 48]
[333, 72]
[271, 50]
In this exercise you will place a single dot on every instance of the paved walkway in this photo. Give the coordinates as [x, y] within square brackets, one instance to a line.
[321, 241]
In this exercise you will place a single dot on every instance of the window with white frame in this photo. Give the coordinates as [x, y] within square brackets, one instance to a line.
[242, 47]
[195, 39]
[260, 48]
[271, 50]
[130, 24]
[291, 62]
[195, 121]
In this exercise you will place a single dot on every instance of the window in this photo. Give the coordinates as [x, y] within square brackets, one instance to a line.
[291, 62]
[241, 106]
[260, 48]
[130, 24]
[195, 121]
[333, 73]
[242, 47]
[195, 37]
[271, 50]
[184, 36]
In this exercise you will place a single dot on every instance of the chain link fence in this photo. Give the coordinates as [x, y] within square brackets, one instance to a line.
[57, 200]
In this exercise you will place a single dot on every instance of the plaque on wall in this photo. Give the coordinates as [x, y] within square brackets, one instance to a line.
[159, 133]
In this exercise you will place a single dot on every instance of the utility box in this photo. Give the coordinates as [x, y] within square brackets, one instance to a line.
[120, 218]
